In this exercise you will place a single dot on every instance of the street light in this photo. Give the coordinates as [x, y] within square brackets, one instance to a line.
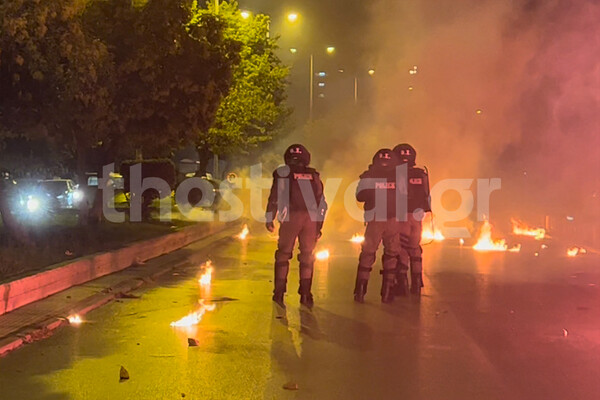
[246, 14]
[292, 17]
[330, 50]
[293, 50]
[371, 72]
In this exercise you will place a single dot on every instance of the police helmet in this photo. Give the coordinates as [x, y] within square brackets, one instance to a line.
[406, 154]
[385, 158]
[297, 154]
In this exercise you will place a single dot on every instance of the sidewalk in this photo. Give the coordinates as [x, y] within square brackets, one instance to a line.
[37, 320]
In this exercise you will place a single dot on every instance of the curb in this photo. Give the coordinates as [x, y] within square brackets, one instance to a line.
[46, 328]
[20, 292]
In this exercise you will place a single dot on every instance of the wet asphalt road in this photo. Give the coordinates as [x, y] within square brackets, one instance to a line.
[488, 326]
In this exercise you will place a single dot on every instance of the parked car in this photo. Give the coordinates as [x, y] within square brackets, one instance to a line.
[61, 193]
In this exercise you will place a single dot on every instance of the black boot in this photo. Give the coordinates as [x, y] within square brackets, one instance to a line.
[306, 297]
[416, 283]
[401, 286]
[387, 289]
[360, 290]
[280, 287]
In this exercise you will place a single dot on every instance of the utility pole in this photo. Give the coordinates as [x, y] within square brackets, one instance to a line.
[312, 86]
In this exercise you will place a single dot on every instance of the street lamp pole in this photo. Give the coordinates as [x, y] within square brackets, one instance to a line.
[355, 90]
[312, 86]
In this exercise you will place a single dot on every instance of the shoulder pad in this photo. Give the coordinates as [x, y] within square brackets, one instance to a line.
[421, 170]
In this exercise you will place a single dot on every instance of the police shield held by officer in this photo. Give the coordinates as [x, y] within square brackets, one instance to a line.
[296, 200]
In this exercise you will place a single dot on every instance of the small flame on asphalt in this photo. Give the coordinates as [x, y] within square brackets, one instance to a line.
[357, 238]
[515, 249]
[575, 251]
[430, 233]
[74, 319]
[195, 317]
[461, 241]
[485, 241]
[244, 233]
[521, 229]
[206, 277]
[322, 255]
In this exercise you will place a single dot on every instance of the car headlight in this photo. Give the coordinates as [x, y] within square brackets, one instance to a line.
[77, 195]
[33, 204]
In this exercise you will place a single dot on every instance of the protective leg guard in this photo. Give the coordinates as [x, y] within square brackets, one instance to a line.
[416, 283]
[387, 286]
[360, 289]
[306, 297]
[401, 286]
[279, 291]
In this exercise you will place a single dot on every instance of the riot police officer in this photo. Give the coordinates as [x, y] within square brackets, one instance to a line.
[418, 204]
[297, 201]
[381, 194]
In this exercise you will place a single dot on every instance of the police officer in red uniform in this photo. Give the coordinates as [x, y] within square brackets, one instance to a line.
[417, 205]
[382, 195]
[297, 201]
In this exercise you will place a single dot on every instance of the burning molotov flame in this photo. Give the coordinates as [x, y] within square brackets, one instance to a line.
[195, 317]
[357, 238]
[575, 251]
[244, 233]
[521, 229]
[485, 241]
[515, 249]
[322, 255]
[206, 277]
[432, 233]
[74, 319]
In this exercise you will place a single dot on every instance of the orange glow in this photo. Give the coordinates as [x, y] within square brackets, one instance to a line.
[575, 251]
[357, 238]
[485, 241]
[521, 229]
[206, 277]
[430, 234]
[195, 317]
[461, 241]
[515, 249]
[322, 255]
[244, 233]
[74, 319]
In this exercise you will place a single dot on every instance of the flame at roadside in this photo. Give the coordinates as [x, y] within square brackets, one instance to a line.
[485, 241]
[521, 229]
[195, 317]
[322, 255]
[206, 277]
[243, 235]
[357, 238]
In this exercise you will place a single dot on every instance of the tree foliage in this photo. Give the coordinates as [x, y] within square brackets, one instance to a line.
[254, 108]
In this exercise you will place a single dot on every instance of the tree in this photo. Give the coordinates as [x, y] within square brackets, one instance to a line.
[170, 75]
[54, 79]
[254, 108]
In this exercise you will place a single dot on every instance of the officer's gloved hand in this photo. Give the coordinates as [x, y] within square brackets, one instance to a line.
[270, 226]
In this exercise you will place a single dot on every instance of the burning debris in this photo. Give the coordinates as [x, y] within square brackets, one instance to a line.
[243, 235]
[431, 233]
[322, 255]
[195, 317]
[485, 241]
[206, 277]
[461, 241]
[357, 238]
[74, 319]
[576, 251]
[521, 229]
[515, 249]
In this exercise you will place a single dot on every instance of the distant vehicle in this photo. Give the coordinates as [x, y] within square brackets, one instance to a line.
[61, 193]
